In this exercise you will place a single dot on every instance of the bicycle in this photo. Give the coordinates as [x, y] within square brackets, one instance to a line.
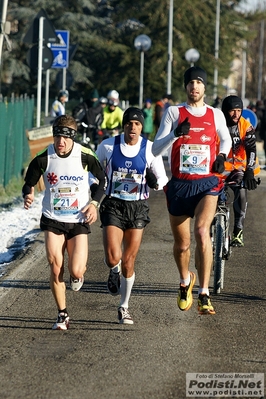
[220, 235]
[84, 135]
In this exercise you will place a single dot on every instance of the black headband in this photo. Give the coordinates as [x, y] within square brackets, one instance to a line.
[64, 131]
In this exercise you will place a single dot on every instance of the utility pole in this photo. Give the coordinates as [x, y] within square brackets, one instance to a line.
[261, 59]
[40, 59]
[4, 31]
[217, 34]
[3, 27]
[170, 46]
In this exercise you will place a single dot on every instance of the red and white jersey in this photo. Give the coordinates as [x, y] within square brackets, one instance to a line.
[192, 156]
[195, 153]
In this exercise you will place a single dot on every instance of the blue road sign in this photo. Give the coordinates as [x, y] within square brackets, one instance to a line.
[250, 116]
[61, 49]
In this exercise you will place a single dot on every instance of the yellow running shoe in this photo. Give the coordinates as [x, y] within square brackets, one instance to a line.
[185, 297]
[237, 240]
[204, 305]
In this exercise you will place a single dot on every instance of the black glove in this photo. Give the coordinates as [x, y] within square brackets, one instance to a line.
[218, 164]
[93, 189]
[151, 179]
[182, 129]
[249, 181]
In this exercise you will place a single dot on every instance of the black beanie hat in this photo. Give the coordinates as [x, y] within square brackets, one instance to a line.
[195, 73]
[229, 103]
[133, 114]
[232, 102]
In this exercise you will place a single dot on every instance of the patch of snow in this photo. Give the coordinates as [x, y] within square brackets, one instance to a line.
[18, 227]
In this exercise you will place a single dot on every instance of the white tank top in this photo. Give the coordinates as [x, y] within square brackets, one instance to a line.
[66, 186]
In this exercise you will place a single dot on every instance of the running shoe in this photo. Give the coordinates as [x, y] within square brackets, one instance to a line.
[113, 283]
[62, 322]
[204, 305]
[124, 316]
[237, 240]
[76, 283]
[185, 297]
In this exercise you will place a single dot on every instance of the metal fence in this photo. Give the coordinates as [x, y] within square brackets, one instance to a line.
[16, 117]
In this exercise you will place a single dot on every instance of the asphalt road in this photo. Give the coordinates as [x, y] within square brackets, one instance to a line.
[101, 359]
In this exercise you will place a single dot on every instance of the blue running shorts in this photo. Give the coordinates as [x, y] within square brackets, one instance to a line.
[184, 195]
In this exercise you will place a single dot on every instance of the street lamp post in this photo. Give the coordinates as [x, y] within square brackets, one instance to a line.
[142, 43]
[170, 47]
[260, 59]
[243, 27]
[216, 54]
[192, 55]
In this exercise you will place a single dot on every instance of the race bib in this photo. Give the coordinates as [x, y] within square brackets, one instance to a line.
[64, 201]
[195, 158]
[126, 185]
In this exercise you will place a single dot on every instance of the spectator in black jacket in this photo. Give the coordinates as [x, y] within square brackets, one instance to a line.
[89, 116]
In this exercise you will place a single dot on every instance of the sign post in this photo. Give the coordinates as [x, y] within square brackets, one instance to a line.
[61, 53]
[40, 33]
[39, 86]
[250, 116]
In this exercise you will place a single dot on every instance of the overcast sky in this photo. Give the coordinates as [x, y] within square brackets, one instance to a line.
[252, 5]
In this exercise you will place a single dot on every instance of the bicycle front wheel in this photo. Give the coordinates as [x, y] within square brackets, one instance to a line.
[218, 258]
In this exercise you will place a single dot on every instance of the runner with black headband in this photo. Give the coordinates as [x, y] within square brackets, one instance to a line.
[67, 211]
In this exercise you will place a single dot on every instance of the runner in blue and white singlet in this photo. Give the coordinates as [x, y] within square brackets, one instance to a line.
[132, 170]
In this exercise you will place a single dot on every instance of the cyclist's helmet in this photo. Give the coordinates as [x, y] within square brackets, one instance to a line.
[113, 95]
[63, 93]
[229, 103]
[113, 102]
[103, 100]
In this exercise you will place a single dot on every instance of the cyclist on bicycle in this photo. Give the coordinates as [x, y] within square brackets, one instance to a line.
[112, 118]
[89, 116]
[242, 162]
[113, 95]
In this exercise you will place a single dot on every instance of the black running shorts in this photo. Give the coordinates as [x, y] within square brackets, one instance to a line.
[124, 214]
[70, 230]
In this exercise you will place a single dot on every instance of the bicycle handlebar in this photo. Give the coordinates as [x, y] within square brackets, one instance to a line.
[241, 184]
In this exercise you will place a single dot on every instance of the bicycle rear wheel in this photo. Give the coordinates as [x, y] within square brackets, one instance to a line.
[218, 255]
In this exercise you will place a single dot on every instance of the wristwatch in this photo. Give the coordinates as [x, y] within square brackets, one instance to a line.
[96, 204]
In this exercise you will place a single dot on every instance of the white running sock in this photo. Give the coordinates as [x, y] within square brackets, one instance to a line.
[116, 268]
[185, 281]
[126, 285]
[204, 291]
